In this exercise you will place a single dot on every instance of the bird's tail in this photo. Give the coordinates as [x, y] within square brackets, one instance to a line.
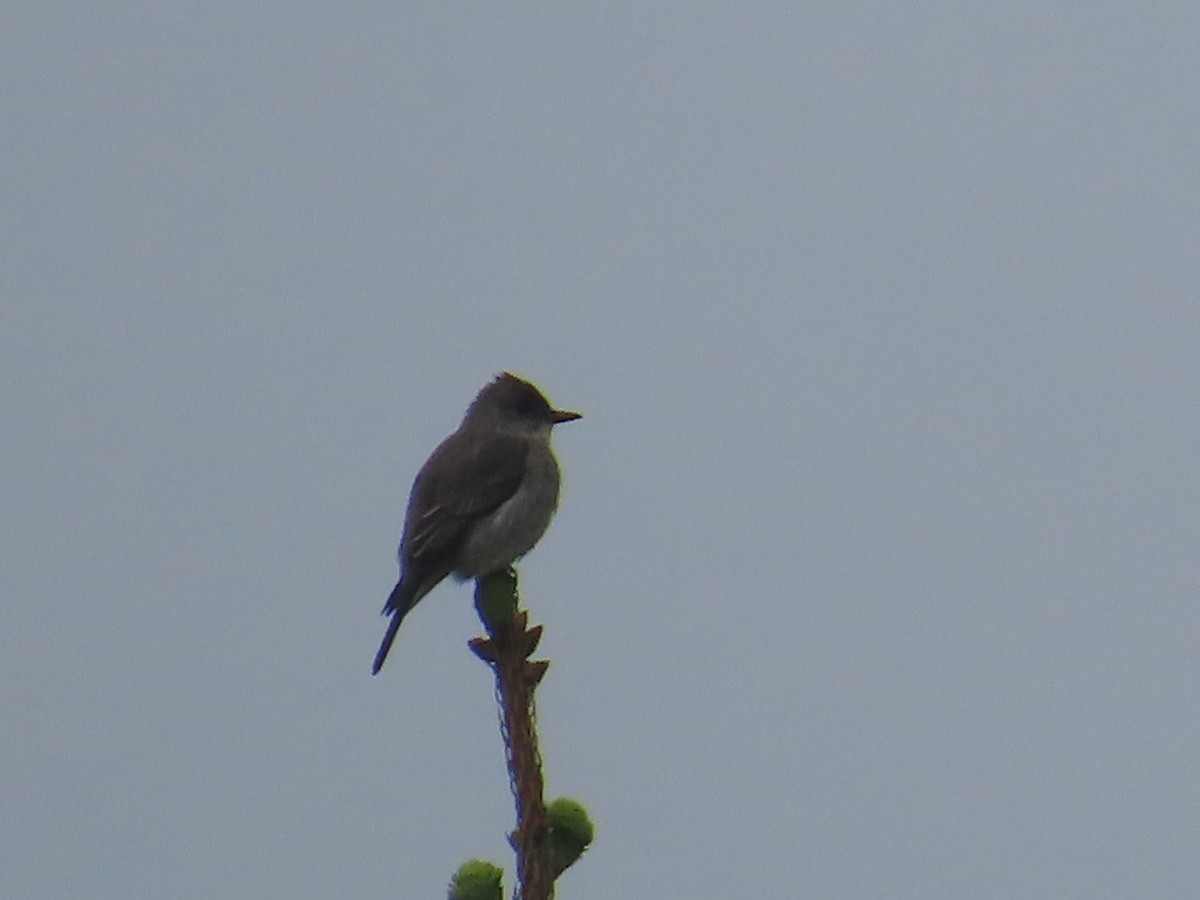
[397, 601]
[397, 604]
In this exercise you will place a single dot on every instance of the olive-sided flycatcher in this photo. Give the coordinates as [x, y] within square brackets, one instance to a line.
[483, 498]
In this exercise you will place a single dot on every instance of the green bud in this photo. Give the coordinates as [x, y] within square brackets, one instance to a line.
[496, 598]
[568, 832]
[476, 879]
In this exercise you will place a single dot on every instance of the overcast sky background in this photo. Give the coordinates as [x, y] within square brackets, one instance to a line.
[876, 569]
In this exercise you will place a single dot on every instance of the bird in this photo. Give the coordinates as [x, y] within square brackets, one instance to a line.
[482, 500]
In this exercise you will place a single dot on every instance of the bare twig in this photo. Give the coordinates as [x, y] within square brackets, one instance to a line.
[507, 649]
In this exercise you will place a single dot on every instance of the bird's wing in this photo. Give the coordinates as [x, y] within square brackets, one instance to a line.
[466, 477]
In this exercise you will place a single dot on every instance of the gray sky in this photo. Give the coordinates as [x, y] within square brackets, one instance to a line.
[876, 569]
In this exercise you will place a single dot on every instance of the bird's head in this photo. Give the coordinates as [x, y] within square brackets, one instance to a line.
[513, 404]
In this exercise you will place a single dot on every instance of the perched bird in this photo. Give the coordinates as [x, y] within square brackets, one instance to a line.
[483, 498]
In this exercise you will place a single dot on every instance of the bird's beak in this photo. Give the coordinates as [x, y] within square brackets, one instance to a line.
[558, 416]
